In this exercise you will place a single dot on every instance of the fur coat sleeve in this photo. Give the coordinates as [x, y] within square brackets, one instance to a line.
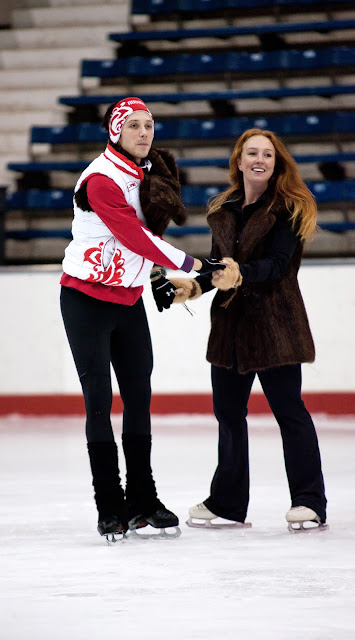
[160, 192]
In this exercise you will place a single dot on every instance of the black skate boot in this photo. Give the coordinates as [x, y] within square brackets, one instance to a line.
[144, 507]
[159, 519]
[109, 495]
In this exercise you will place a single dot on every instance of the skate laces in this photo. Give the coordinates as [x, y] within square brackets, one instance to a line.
[191, 312]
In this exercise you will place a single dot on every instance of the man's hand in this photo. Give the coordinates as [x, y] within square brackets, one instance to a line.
[163, 293]
[207, 265]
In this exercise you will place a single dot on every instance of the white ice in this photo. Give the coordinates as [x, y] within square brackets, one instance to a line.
[60, 581]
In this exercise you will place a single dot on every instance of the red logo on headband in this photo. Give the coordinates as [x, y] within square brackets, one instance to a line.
[121, 112]
[119, 115]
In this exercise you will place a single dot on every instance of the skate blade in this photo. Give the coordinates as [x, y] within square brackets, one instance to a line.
[310, 529]
[114, 538]
[163, 534]
[209, 524]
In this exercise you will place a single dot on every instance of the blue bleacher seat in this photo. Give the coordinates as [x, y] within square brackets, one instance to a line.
[54, 135]
[103, 68]
[253, 62]
[53, 199]
[329, 191]
[306, 59]
[344, 122]
[196, 196]
[313, 124]
[90, 132]
[203, 63]
[211, 129]
[153, 7]
[64, 165]
[273, 123]
[17, 200]
[343, 56]
[349, 190]
[166, 130]
[150, 66]
[31, 234]
[200, 6]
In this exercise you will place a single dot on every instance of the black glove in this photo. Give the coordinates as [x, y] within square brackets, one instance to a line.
[209, 265]
[163, 293]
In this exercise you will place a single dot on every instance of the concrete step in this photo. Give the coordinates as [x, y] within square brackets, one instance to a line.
[35, 99]
[14, 143]
[105, 13]
[30, 79]
[24, 120]
[49, 58]
[58, 37]
[8, 178]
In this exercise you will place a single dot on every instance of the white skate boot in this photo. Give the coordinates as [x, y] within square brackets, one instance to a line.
[297, 517]
[200, 517]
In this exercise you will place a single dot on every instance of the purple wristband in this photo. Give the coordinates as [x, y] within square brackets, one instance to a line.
[188, 264]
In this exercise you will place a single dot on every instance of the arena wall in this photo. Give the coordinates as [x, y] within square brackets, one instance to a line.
[37, 374]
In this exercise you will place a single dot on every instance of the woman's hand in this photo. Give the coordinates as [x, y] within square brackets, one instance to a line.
[230, 278]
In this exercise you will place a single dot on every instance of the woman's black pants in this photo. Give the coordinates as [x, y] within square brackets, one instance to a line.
[101, 333]
[229, 496]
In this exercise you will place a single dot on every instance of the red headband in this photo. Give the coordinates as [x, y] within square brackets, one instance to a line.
[120, 113]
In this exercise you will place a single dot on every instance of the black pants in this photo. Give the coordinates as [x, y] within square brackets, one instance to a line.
[229, 495]
[101, 333]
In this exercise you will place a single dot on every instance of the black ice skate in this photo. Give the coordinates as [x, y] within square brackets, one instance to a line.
[144, 506]
[304, 520]
[162, 519]
[109, 495]
[111, 528]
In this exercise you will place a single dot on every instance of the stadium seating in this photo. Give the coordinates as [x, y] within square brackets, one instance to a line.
[166, 7]
[79, 165]
[212, 129]
[327, 120]
[193, 196]
[228, 32]
[212, 63]
[231, 94]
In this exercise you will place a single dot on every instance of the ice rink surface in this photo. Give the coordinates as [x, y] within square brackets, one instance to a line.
[60, 581]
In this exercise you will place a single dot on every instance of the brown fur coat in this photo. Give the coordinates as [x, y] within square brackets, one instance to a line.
[160, 192]
[265, 323]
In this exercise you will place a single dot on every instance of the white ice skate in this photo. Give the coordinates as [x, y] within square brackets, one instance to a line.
[201, 517]
[298, 517]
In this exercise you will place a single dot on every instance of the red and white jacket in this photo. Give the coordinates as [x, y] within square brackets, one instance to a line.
[111, 245]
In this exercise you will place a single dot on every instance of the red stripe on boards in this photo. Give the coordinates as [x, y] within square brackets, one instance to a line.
[332, 403]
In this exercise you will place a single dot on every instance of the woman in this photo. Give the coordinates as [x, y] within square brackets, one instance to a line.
[259, 326]
[123, 202]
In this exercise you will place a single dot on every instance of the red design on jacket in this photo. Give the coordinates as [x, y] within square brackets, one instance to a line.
[109, 275]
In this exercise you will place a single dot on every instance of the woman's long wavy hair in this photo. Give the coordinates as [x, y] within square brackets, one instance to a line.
[286, 184]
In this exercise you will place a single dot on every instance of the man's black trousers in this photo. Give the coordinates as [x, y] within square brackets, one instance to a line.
[101, 333]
